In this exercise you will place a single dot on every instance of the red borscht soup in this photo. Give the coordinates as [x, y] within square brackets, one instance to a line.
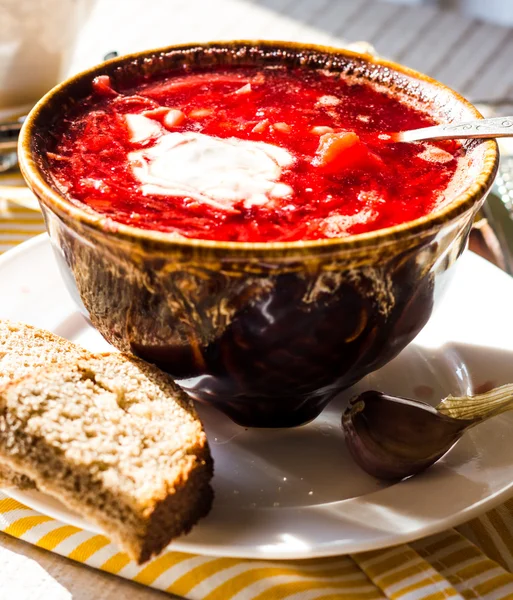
[250, 155]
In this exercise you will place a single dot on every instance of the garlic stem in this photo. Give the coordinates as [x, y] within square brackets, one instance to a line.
[480, 406]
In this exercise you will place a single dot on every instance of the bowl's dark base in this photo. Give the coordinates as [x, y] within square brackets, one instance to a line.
[270, 413]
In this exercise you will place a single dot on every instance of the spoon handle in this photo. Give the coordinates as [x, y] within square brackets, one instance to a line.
[9, 135]
[480, 406]
[482, 128]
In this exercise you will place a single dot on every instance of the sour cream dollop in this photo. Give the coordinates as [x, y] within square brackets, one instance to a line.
[221, 172]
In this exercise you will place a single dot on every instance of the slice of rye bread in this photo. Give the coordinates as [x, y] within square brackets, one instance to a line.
[23, 349]
[115, 439]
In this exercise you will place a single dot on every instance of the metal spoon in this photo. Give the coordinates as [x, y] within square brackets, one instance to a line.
[482, 128]
[9, 133]
[392, 437]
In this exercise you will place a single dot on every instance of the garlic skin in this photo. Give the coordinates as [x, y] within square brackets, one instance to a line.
[392, 438]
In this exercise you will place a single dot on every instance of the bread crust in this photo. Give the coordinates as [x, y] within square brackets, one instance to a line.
[152, 482]
[24, 348]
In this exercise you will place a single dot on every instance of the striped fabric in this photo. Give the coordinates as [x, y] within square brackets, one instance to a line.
[474, 562]
[17, 224]
[447, 565]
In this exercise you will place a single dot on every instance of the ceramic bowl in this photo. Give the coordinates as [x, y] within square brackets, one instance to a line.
[266, 332]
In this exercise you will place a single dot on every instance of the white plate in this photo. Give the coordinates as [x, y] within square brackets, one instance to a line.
[296, 493]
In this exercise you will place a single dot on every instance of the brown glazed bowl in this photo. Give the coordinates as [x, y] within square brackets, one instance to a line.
[266, 332]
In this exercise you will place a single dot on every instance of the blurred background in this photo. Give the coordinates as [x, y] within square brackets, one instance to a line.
[497, 11]
[467, 44]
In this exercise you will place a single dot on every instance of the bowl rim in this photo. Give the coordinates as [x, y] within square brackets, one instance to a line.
[56, 202]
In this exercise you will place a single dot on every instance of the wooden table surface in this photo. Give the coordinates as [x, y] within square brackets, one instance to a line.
[475, 58]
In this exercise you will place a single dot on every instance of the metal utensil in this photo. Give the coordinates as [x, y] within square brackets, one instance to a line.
[8, 160]
[9, 133]
[393, 438]
[495, 127]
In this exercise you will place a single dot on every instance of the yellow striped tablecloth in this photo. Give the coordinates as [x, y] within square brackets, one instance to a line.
[474, 561]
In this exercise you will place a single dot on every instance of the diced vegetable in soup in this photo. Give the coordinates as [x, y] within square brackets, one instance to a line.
[250, 155]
